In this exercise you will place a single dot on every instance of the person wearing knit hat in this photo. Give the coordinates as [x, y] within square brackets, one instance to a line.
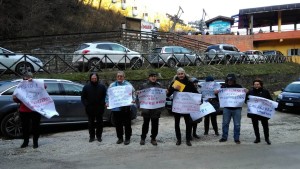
[152, 115]
[208, 96]
[183, 78]
[231, 112]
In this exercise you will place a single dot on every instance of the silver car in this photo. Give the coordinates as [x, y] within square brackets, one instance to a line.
[224, 53]
[173, 56]
[67, 99]
[255, 56]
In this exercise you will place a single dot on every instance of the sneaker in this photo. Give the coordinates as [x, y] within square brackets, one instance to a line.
[178, 142]
[154, 142]
[256, 141]
[222, 140]
[91, 139]
[142, 142]
[268, 141]
[217, 133]
[120, 141]
[99, 139]
[188, 143]
[127, 141]
[237, 141]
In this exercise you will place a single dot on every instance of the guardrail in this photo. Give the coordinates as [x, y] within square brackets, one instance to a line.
[67, 62]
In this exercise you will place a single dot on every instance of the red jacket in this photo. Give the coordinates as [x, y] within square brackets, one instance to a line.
[23, 107]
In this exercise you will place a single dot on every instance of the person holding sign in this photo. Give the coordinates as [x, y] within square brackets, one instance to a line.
[182, 83]
[29, 118]
[259, 91]
[195, 123]
[93, 98]
[121, 114]
[150, 114]
[229, 112]
[208, 95]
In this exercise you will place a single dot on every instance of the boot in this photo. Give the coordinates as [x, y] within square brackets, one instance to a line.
[35, 143]
[257, 140]
[25, 143]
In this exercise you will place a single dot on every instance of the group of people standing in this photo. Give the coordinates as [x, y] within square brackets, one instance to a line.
[95, 98]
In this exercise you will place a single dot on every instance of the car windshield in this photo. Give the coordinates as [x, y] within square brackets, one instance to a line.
[293, 88]
[82, 46]
[184, 50]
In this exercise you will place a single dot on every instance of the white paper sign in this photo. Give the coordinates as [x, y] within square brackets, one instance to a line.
[208, 88]
[204, 109]
[185, 102]
[261, 106]
[34, 95]
[232, 97]
[119, 96]
[152, 98]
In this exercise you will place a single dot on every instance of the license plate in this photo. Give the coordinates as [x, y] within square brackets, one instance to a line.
[168, 102]
[289, 104]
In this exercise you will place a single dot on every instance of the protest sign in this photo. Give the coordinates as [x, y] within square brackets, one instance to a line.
[208, 89]
[204, 109]
[185, 102]
[261, 106]
[152, 98]
[34, 95]
[232, 97]
[119, 96]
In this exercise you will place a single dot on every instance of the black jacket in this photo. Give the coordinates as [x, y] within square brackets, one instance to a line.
[189, 86]
[93, 96]
[152, 113]
[259, 93]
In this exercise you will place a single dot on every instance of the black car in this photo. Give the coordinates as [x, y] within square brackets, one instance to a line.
[67, 99]
[290, 97]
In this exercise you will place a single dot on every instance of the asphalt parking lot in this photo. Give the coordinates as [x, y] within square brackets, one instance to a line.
[71, 149]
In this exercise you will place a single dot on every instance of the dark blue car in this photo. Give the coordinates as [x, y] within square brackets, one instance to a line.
[289, 98]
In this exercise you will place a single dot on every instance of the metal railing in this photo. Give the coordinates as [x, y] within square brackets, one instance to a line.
[66, 62]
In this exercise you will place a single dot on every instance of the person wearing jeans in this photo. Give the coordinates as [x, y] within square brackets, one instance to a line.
[231, 112]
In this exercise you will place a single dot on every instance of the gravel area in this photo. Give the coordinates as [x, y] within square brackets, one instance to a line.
[284, 128]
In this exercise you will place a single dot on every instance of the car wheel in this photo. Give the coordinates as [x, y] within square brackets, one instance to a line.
[171, 63]
[24, 67]
[93, 66]
[11, 127]
[136, 63]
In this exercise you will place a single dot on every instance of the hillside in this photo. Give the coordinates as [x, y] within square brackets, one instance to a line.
[25, 18]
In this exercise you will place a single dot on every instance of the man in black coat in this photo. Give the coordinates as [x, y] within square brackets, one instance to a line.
[93, 98]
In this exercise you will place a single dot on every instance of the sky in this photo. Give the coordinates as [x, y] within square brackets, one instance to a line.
[193, 8]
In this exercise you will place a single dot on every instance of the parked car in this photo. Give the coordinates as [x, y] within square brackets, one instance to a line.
[274, 56]
[96, 55]
[224, 52]
[255, 56]
[67, 99]
[289, 98]
[20, 63]
[173, 56]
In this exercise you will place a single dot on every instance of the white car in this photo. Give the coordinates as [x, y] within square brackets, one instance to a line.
[255, 56]
[97, 55]
[20, 63]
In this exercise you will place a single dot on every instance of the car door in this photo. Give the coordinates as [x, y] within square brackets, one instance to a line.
[118, 54]
[54, 90]
[74, 108]
[178, 54]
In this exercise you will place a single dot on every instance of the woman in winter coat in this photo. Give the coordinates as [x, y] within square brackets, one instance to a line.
[259, 91]
[183, 78]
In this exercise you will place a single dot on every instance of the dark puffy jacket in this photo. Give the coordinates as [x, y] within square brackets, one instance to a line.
[152, 113]
[93, 97]
[259, 93]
